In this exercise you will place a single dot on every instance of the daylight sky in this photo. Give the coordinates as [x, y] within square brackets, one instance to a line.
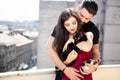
[58, 0]
[19, 10]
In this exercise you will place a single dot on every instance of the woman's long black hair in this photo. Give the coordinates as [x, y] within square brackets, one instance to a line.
[62, 34]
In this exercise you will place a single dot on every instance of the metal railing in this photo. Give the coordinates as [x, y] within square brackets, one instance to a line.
[104, 72]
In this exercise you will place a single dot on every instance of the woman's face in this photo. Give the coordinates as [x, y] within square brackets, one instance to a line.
[71, 25]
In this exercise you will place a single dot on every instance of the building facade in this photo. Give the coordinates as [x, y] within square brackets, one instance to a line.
[15, 52]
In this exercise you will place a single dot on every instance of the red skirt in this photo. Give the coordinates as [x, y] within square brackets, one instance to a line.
[82, 56]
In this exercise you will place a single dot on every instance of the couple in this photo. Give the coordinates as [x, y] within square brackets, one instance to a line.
[72, 21]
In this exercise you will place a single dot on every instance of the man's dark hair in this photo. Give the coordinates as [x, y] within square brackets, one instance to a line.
[91, 6]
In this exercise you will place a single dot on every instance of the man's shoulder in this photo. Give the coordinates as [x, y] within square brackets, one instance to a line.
[91, 24]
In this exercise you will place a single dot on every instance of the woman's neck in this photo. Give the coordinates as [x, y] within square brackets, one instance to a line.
[71, 35]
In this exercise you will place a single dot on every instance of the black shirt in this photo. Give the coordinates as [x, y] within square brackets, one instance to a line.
[88, 27]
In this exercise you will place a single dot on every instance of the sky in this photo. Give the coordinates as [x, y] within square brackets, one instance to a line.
[58, 0]
[19, 10]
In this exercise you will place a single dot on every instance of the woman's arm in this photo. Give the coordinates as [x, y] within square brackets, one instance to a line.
[70, 72]
[83, 45]
[86, 45]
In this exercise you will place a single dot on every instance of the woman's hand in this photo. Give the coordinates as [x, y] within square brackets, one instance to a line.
[72, 73]
[71, 57]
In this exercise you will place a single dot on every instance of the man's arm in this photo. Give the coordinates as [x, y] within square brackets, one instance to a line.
[53, 54]
[96, 57]
[96, 53]
[71, 72]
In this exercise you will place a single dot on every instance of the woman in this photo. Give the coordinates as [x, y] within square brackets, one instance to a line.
[66, 28]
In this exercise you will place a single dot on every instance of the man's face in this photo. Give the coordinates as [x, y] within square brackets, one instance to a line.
[84, 15]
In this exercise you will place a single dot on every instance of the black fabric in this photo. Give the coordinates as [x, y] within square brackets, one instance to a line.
[90, 26]
[71, 46]
[76, 49]
[58, 75]
[53, 33]
[64, 54]
[79, 37]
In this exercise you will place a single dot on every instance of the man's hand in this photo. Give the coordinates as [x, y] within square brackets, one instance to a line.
[72, 73]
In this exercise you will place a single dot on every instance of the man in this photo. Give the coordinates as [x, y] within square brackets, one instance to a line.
[85, 12]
